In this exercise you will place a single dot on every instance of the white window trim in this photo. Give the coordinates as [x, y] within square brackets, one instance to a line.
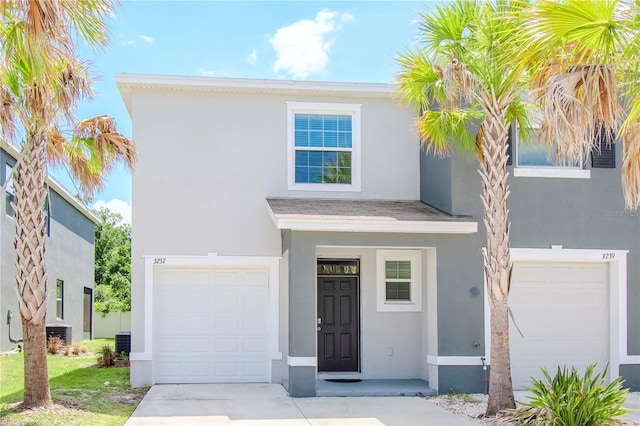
[325, 108]
[544, 171]
[415, 257]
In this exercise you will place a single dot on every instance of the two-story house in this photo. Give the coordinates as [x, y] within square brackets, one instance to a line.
[69, 259]
[290, 232]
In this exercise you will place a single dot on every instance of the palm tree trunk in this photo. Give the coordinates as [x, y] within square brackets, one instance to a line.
[36, 373]
[495, 192]
[31, 276]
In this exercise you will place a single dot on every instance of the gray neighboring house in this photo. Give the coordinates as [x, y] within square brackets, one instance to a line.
[70, 260]
[288, 231]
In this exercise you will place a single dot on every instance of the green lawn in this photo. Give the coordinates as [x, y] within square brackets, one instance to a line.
[77, 388]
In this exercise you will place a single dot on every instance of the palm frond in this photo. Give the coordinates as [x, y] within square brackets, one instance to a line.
[631, 166]
[72, 85]
[7, 114]
[419, 81]
[95, 147]
[55, 147]
[443, 129]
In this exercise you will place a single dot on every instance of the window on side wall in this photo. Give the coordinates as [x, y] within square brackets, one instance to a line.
[9, 194]
[534, 159]
[323, 146]
[59, 299]
[399, 283]
[47, 212]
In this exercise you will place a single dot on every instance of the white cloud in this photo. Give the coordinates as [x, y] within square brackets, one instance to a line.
[303, 47]
[346, 17]
[253, 57]
[116, 206]
[128, 41]
[146, 38]
[205, 72]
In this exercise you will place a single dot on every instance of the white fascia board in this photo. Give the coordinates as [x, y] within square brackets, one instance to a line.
[126, 83]
[221, 83]
[55, 185]
[350, 225]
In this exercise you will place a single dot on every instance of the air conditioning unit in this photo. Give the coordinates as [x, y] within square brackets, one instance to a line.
[123, 342]
[61, 330]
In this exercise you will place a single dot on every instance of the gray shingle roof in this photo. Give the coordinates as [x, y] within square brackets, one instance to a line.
[361, 210]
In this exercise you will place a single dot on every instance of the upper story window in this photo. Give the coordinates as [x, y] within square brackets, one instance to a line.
[323, 146]
[534, 159]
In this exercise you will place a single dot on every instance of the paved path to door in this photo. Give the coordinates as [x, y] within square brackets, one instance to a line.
[267, 404]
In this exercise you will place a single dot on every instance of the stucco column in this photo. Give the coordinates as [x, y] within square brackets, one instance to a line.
[302, 358]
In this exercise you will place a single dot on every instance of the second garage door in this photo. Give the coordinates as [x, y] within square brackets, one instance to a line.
[210, 325]
[562, 310]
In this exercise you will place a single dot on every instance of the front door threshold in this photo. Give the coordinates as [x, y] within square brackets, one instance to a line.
[324, 375]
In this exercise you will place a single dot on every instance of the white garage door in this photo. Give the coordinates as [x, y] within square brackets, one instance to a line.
[210, 325]
[562, 310]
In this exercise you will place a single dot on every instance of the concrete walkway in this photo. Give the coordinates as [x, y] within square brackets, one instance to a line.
[267, 404]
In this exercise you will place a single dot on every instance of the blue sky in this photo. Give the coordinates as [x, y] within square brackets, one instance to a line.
[301, 40]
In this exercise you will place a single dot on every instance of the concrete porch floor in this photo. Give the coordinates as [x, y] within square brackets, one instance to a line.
[396, 387]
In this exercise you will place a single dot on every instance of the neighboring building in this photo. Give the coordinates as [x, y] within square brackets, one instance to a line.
[70, 259]
[288, 231]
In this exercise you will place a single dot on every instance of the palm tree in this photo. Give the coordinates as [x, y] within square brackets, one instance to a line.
[41, 82]
[586, 74]
[460, 79]
[339, 170]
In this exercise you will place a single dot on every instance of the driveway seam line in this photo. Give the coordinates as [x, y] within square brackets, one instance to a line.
[301, 412]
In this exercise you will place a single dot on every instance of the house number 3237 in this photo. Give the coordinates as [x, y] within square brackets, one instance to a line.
[159, 260]
[608, 255]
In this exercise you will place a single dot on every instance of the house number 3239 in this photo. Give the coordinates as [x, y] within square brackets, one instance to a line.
[608, 255]
[159, 260]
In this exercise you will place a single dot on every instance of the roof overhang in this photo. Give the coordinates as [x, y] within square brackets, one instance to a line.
[55, 185]
[127, 83]
[370, 223]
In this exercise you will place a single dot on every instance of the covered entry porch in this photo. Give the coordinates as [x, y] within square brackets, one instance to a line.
[363, 292]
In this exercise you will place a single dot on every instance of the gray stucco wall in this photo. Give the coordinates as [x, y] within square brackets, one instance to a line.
[70, 257]
[459, 289]
[574, 213]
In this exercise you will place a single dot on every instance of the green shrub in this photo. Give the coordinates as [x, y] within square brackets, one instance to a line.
[55, 344]
[569, 399]
[107, 355]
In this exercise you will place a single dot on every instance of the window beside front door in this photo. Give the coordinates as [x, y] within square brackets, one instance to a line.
[399, 285]
[397, 280]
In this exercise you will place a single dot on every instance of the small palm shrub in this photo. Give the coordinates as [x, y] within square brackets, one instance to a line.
[106, 356]
[54, 345]
[76, 349]
[568, 399]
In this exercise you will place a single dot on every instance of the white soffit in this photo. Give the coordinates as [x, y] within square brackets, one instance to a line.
[355, 224]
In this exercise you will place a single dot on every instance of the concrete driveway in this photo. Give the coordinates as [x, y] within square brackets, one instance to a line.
[267, 404]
